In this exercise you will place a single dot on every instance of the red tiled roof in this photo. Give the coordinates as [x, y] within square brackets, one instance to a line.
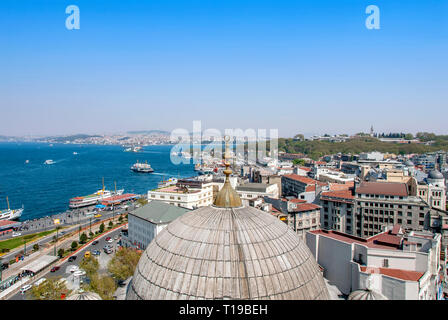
[341, 186]
[306, 207]
[305, 169]
[384, 188]
[395, 273]
[302, 179]
[343, 194]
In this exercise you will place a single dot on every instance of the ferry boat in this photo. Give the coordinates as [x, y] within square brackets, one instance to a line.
[9, 214]
[94, 198]
[49, 162]
[142, 167]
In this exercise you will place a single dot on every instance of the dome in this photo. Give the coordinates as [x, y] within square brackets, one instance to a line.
[366, 295]
[227, 253]
[84, 295]
[409, 163]
[435, 175]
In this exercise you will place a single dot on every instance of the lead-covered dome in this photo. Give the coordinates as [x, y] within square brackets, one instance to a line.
[435, 175]
[227, 253]
[366, 294]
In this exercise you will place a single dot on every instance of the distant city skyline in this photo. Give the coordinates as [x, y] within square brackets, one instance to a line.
[309, 67]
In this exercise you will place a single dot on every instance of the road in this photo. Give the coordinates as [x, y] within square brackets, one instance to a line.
[76, 218]
[65, 266]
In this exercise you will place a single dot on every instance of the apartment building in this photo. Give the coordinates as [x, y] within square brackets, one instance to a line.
[398, 264]
[186, 193]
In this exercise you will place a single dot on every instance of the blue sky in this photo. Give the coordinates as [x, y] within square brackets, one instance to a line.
[300, 66]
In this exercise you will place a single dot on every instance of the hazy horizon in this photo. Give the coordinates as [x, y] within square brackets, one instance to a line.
[309, 67]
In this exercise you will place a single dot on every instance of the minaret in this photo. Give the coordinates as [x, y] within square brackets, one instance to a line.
[371, 131]
[227, 196]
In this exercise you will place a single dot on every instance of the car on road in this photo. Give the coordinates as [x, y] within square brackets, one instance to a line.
[116, 237]
[54, 269]
[95, 242]
[96, 252]
[25, 288]
[108, 238]
[97, 215]
[108, 250]
[72, 258]
[16, 234]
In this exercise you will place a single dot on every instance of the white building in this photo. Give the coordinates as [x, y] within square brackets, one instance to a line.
[186, 193]
[249, 191]
[146, 222]
[399, 265]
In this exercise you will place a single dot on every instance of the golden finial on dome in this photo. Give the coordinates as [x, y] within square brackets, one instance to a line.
[227, 196]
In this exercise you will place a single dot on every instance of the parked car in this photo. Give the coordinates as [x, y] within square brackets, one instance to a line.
[16, 234]
[54, 269]
[96, 252]
[116, 237]
[72, 258]
[87, 254]
[108, 238]
[109, 251]
[25, 288]
[95, 242]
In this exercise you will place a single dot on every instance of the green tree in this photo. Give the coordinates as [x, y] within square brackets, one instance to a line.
[142, 201]
[111, 224]
[123, 264]
[51, 289]
[36, 247]
[299, 162]
[104, 285]
[90, 265]
[61, 252]
[102, 227]
[408, 136]
[83, 238]
[91, 234]
[74, 245]
[299, 136]
[120, 219]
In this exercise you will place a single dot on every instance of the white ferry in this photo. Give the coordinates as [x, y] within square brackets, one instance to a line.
[9, 214]
[94, 198]
[49, 162]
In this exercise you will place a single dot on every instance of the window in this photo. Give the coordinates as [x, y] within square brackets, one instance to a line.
[398, 220]
[400, 213]
[386, 263]
[409, 214]
[421, 215]
[420, 223]
[409, 221]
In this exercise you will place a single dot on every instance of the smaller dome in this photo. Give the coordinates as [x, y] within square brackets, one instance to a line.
[409, 163]
[84, 295]
[366, 295]
[434, 174]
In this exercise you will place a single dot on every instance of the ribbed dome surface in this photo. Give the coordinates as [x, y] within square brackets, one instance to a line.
[84, 296]
[366, 295]
[227, 253]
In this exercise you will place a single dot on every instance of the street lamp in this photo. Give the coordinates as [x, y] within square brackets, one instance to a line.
[56, 222]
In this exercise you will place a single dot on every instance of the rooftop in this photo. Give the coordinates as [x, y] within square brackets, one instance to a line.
[159, 212]
[395, 273]
[302, 179]
[341, 194]
[382, 188]
[384, 240]
[258, 187]
[302, 207]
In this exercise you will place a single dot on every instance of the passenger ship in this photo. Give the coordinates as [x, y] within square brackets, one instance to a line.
[9, 214]
[94, 198]
[142, 167]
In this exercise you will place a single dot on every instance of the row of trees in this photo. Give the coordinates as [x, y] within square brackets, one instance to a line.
[316, 149]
